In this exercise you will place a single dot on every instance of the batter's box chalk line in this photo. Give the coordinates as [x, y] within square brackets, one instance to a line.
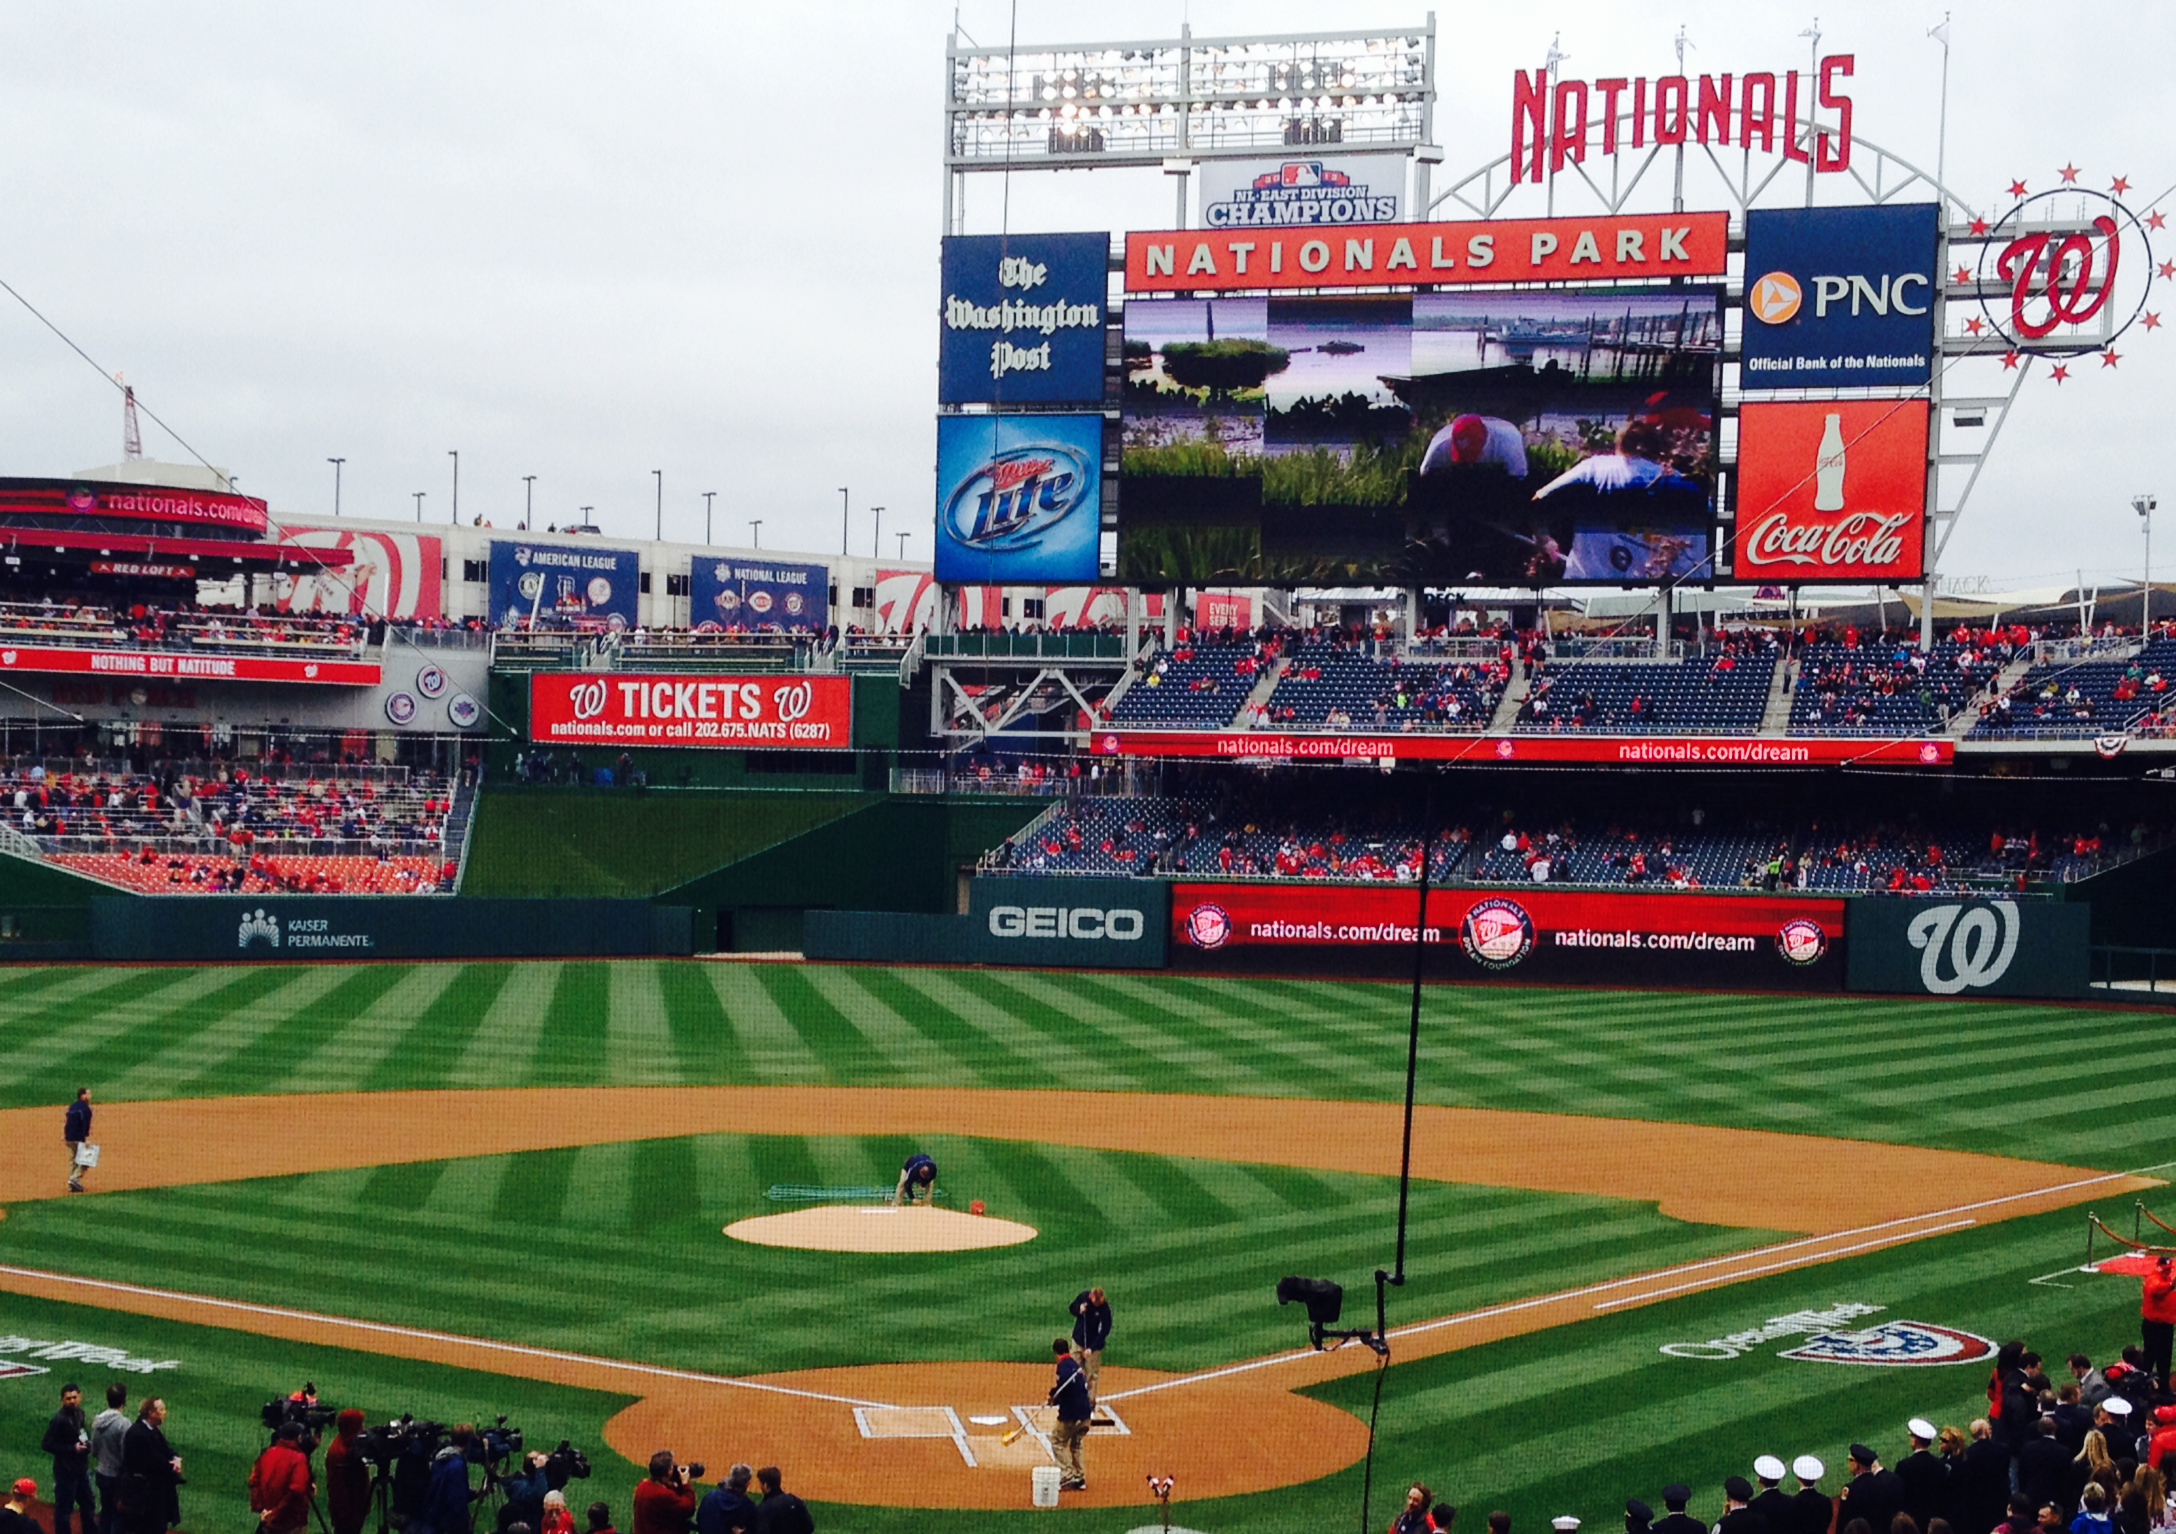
[1037, 1420]
[915, 1422]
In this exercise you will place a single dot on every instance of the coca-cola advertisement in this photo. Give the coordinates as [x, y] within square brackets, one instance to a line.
[770, 713]
[1520, 931]
[1832, 490]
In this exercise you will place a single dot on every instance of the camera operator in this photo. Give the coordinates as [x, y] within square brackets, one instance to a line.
[347, 1476]
[280, 1486]
[447, 1500]
[525, 1485]
[665, 1503]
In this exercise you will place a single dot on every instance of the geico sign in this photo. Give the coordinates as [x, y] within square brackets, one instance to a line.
[1122, 926]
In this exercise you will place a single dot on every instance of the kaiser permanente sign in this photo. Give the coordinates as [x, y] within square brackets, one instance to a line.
[1607, 248]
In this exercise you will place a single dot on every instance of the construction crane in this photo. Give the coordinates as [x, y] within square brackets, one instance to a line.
[132, 437]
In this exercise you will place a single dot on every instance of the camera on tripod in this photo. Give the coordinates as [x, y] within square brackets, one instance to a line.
[302, 1407]
[567, 1463]
[493, 1446]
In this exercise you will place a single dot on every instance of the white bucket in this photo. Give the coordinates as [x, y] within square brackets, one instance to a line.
[1045, 1480]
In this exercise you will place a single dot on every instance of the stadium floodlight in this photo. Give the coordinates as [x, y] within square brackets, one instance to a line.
[2145, 505]
[1224, 97]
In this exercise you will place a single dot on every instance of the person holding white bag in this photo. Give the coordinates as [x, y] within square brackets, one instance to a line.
[82, 1154]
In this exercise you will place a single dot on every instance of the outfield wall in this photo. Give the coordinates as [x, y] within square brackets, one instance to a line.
[292, 928]
[1048, 923]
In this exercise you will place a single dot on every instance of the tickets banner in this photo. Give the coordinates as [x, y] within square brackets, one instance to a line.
[1604, 248]
[770, 713]
[165, 665]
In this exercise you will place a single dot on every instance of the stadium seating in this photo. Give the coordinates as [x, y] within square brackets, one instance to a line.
[1722, 694]
[182, 874]
[1342, 686]
[1194, 685]
[224, 630]
[1889, 688]
[2090, 697]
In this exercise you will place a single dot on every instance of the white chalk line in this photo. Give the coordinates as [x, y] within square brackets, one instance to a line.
[382, 1328]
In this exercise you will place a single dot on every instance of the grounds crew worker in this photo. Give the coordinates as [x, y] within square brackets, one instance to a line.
[1091, 1332]
[2157, 1319]
[919, 1175]
[1075, 1406]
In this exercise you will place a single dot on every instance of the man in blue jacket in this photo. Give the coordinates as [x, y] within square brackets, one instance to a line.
[76, 1133]
[446, 1500]
[1075, 1406]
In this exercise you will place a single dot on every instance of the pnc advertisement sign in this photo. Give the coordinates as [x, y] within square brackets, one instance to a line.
[1839, 297]
[766, 713]
[1019, 498]
[1832, 490]
[1022, 319]
[1248, 194]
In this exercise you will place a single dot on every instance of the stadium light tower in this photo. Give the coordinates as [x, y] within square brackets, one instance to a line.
[454, 520]
[903, 537]
[2144, 505]
[419, 505]
[708, 497]
[660, 476]
[528, 500]
[336, 462]
[755, 532]
[876, 535]
[842, 519]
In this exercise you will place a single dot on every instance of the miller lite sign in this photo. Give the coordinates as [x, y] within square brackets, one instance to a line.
[1832, 490]
[1019, 498]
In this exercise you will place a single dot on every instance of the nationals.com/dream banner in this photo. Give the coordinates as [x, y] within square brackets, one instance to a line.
[769, 713]
[1520, 931]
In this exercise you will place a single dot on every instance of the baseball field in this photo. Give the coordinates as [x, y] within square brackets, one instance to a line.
[466, 1190]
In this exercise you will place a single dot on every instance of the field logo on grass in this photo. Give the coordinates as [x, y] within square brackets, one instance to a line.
[1896, 1344]
[91, 1353]
[256, 924]
[1969, 939]
[1799, 1323]
[1497, 934]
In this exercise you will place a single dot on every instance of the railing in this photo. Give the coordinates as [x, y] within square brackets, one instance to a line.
[1070, 645]
[437, 639]
[2146, 974]
[1029, 835]
[218, 848]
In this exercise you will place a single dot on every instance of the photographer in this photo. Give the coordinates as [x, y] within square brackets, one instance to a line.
[447, 1499]
[280, 1486]
[525, 1486]
[347, 1476]
[665, 1503]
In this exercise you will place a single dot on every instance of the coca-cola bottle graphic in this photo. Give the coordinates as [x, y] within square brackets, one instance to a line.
[1828, 467]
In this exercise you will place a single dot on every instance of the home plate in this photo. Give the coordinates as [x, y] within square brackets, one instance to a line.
[880, 1228]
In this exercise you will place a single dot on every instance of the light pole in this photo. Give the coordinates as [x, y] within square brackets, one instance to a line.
[842, 519]
[2144, 505]
[419, 505]
[528, 500]
[708, 497]
[876, 535]
[903, 537]
[586, 510]
[660, 475]
[336, 462]
[455, 455]
[755, 533]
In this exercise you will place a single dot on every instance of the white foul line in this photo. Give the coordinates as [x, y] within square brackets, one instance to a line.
[420, 1334]
[1469, 1317]
[1793, 1262]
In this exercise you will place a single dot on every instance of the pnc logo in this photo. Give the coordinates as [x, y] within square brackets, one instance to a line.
[1774, 299]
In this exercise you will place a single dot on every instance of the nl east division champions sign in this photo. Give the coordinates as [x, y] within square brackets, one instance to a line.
[1022, 319]
[1251, 194]
[1019, 498]
[1832, 490]
[1839, 297]
[1604, 248]
[769, 713]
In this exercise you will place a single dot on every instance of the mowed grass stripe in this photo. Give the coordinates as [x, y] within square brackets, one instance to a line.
[762, 1046]
[570, 1045]
[1025, 1040]
[361, 1045]
[639, 1049]
[182, 1059]
[1112, 1032]
[509, 1002]
[38, 1058]
[911, 1055]
[445, 1032]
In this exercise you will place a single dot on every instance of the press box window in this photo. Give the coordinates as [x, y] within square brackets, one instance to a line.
[677, 585]
[1031, 607]
[645, 583]
[475, 571]
[864, 596]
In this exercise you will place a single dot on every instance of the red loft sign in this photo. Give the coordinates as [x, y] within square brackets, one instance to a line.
[1607, 247]
[1481, 750]
[1551, 124]
[798, 713]
[148, 503]
[164, 666]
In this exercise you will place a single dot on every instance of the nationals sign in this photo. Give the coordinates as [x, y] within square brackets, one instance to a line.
[1834, 490]
[1622, 750]
[1607, 247]
[776, 712]
[167, 665]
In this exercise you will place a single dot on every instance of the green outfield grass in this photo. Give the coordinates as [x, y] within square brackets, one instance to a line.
[615, 1249]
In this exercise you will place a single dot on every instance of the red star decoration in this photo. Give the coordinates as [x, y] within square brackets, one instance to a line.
[2166, 269]
[2155, 220]
[2011, 359]
[2069, 173]
[1974, 325]
[2017, 189]
[2059, 372]
[1979, 226]
[1964, 274]
[2153, 321]
[2110, 357]
[2120, 186]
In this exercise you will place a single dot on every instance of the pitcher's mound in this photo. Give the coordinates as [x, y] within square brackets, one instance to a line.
[880, 1228]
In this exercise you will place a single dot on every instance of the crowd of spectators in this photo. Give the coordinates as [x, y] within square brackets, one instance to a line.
[190, 626]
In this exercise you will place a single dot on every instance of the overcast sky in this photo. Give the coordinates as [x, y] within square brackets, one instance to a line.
[588, 242]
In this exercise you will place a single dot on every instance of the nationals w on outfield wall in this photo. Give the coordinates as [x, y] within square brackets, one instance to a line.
[769, 713]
